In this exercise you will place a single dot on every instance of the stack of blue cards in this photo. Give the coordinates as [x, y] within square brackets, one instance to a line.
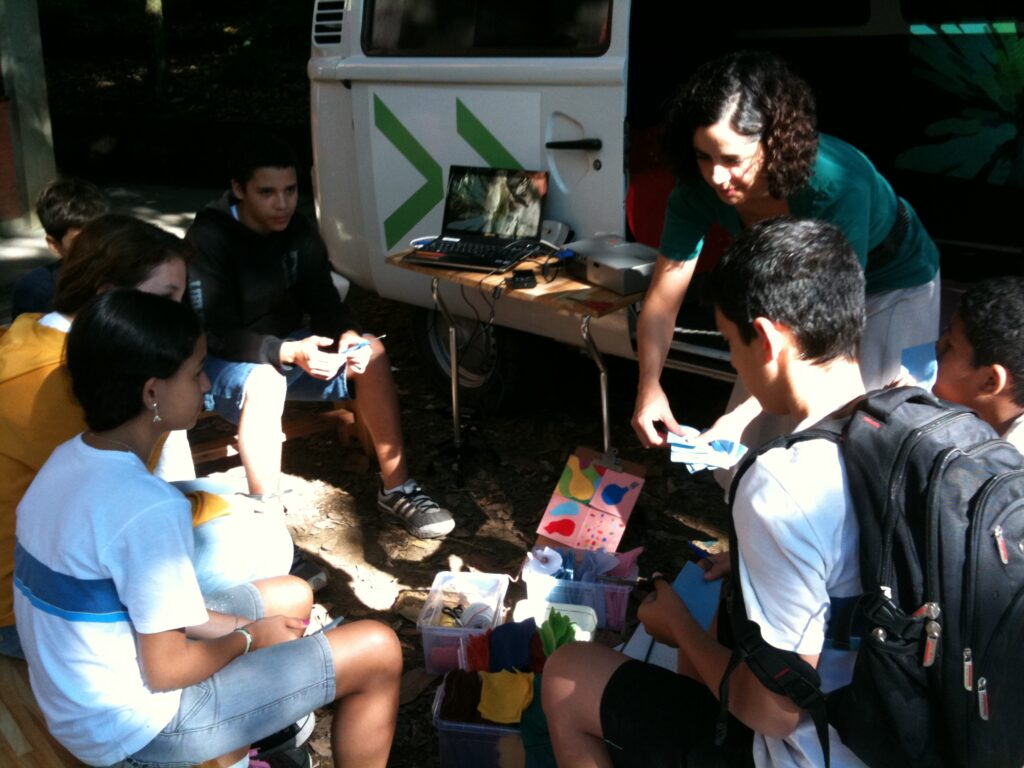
[696, 455]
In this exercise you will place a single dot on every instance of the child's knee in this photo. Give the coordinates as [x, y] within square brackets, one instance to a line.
[285, 596]
[574, 667]
[385, 647]
[557, 679]
[366, 649]
[299, 594]
[563, 660]
[379, 363]
[265, 389]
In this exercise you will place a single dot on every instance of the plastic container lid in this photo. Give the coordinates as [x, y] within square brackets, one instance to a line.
[583, 617]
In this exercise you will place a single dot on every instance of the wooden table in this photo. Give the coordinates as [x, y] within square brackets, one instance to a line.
[563, 294]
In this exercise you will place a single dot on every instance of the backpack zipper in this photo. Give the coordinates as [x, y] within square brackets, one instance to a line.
[975, 537]
[932, 635]
[997, 534]
[983, 698]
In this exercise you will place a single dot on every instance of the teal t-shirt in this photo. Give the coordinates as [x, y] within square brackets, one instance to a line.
[844, 190]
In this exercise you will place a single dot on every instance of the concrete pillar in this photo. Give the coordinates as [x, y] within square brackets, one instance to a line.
[26, 138]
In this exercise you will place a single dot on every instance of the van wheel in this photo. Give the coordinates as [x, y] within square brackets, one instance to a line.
[486, 359]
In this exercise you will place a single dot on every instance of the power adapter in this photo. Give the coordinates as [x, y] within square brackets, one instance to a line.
[522, 278]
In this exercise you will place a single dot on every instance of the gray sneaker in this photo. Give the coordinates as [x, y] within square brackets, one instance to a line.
[423, 517]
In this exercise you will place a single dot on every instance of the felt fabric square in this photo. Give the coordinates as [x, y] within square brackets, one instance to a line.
[504, 695]
[534, 731]
[478, 652]
[461, 697]
[556, 632]
[510, 645]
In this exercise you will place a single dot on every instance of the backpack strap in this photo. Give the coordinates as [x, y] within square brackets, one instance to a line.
[883, 402]
[845, 623]
[782, 672]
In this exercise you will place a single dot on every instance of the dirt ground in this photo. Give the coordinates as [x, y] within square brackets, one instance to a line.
[509, 470]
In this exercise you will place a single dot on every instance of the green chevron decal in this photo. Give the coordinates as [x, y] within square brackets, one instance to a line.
[423, 199]
[482, 140]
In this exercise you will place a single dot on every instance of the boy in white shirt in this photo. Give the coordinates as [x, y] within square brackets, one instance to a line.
[789, 299]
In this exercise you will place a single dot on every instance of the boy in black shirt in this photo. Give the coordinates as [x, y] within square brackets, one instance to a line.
[260, 269]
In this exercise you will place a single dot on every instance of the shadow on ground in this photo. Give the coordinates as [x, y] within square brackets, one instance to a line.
[514, 460]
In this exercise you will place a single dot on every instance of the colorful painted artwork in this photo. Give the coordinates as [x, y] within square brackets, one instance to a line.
[590, 506]
[579, 479]
[617, 493]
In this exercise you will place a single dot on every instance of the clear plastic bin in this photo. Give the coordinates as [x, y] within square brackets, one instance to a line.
[481, 597]
[609, 600]
[473, 745]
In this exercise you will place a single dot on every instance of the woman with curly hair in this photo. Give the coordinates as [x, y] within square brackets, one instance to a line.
[743, 136]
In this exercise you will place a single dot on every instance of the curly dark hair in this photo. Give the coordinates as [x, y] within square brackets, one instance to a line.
[762, 98]
[992, 313]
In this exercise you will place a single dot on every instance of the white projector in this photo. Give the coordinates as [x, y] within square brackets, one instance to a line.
[611, 262]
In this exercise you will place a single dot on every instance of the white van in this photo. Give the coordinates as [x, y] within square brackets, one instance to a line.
[404, 89]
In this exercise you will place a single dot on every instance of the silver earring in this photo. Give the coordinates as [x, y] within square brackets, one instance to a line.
[156, 414]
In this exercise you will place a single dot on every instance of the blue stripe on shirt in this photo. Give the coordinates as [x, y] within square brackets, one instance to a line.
[65, 596]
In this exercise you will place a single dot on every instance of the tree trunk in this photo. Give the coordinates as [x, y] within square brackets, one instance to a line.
[157, 74]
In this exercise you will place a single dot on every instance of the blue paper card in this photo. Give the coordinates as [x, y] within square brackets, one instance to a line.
[700, 596]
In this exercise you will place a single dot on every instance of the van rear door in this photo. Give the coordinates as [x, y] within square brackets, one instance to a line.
[403, 90]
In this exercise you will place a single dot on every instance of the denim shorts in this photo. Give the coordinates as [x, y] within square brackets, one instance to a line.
[10, 643]
[228, 380]
[243, 600]
[252, 697]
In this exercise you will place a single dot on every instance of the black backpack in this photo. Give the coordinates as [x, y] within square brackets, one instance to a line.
[939, 676]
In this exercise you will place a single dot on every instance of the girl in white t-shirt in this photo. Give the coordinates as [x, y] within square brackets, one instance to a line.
[125, 659]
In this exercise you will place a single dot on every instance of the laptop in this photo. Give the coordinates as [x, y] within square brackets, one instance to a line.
[492, 220]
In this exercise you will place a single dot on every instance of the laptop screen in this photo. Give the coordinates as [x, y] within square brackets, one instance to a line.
[494, 202]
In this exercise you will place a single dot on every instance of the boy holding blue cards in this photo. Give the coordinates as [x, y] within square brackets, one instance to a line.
[789, 299]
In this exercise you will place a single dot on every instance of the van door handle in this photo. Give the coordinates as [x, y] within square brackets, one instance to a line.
[591, 145]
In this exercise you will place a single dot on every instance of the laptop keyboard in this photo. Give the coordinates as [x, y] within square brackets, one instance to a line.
[482, 253]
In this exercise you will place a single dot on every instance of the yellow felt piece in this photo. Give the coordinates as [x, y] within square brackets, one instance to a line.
[504, 695]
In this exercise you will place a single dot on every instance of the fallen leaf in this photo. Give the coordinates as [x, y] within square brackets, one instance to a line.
[321, 746]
